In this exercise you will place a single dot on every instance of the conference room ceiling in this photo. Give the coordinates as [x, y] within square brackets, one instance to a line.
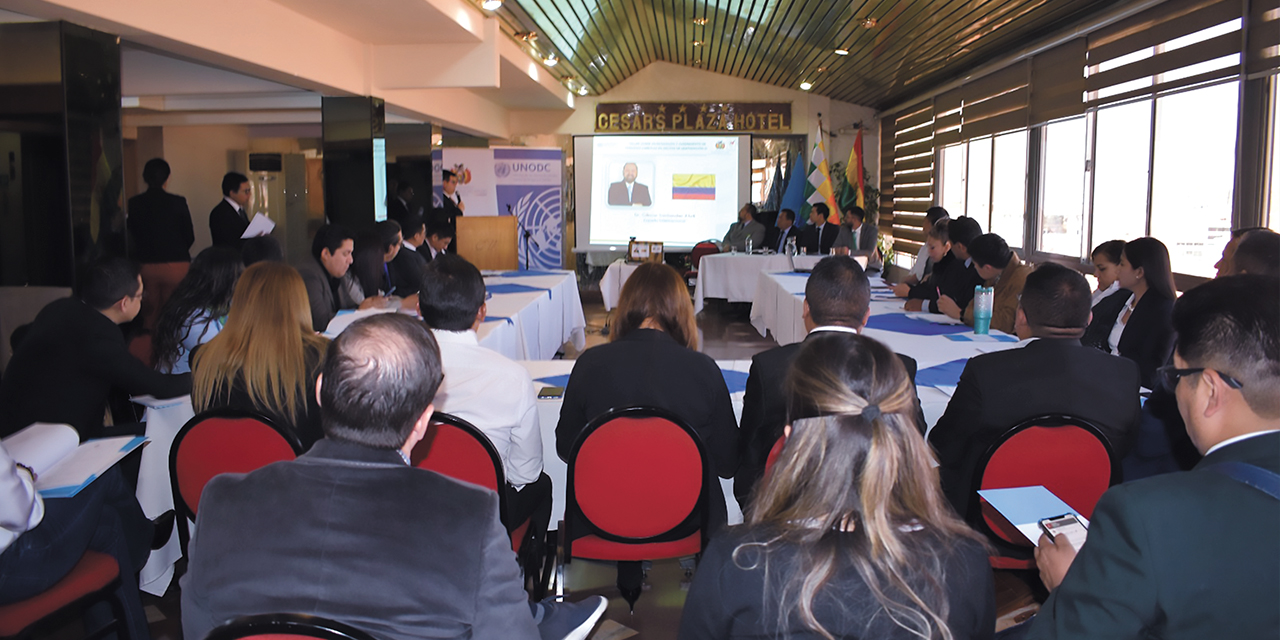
[896, 48]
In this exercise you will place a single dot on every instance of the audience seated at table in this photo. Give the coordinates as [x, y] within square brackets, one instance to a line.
[1258, 254]
[958, 281]
[439, 237]
[266, 356]
[485, 388]
[837, 297]
[1106, 265]
[351, 532]
[1191, 555]
[784, 228]
[330, 282]
[42, 540]
[848, 535]
[261, 248]
[408, 265]
[73, 355]
[853, 234]
[1001, 269]
[651, 361]
[1134, 322]
[745, 228]
[372, 258]
[1052, 374]
[197, 309]
[938, 246]
[818, 237]
[924, 264]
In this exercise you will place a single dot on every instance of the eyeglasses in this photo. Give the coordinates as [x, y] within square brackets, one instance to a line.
[1170, 375]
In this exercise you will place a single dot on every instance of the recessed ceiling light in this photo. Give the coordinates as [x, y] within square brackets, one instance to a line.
[491, 5]
[868, 23]
[697, 43]
[842, 52]
[582, 91]
[551, 60]
[806, 85]
[700, 21]
[822, 69]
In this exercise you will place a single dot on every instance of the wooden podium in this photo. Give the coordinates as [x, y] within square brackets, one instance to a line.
[488, 242]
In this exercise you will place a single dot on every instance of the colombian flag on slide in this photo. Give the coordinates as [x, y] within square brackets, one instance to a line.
[693, 186]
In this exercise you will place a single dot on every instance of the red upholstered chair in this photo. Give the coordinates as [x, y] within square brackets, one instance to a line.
[1068, 456]
[704, 248]
[456, 448]
[286, 626]
[222, 441]
[90, 580]
[773, 454]
[638, 489]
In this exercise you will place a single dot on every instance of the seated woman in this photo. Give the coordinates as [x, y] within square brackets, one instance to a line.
[1106, 262]
[267, 356]
[848, 535]
[651, 360]
[1136, 322]
[197, 309]
[938, 244]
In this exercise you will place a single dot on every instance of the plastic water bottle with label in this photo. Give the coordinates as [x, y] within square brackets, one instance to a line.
[983, 300]
[791, 246]
[748, 244]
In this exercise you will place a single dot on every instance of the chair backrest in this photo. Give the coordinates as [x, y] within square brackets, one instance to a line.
[638, 473]
[286, 626]
[774, 452]
[223, 441]
[703, 248]
[1068, 456]
[456, 448]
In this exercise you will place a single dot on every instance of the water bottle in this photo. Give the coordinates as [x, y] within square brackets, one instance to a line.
[748, 244]
[983, 299]
[791, 246]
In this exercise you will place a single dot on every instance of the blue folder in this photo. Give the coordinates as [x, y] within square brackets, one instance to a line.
[946, 374]
[901, 323]
[512, 287]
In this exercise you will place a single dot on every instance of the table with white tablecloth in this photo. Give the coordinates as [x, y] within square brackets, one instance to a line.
[164, 418]
[732, 276]
[614, 277]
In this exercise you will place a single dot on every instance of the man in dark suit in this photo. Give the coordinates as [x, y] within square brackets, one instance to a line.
[837, 297]
[331, 534]
[1191, 554]
[229, 219]
[408, 265]
[628, 192]
[1052, 374]
[398, 204]
[819, 236]
[159, 222]
[74, 354]
[785, 228]
[451, 201]
[439, 237]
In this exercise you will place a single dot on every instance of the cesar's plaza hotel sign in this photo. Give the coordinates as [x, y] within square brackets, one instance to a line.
[687, 117]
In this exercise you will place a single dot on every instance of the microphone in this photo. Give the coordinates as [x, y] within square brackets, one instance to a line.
[527, 235]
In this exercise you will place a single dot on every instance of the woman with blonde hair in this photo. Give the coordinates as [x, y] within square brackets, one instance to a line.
[848, 536]
[266, 357]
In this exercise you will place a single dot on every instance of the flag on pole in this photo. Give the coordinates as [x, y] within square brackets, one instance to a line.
[819, 188]
[853, 171]
[793, 194]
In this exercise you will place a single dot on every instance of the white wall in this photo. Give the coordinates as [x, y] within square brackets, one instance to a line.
[199, 156]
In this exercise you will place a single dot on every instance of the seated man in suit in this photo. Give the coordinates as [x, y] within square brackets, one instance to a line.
[228, 220]
[439, 236]
[1051, 374]
[328, 276]
[486, 389]
[352, 532]
[74, 354]
[854, 235]
[1000, 268]
[398, 204]
[746, 227]
[1258, 254]
[837, 297]
[407, 265]
[958, 280]
[1191, 554]
[783, 230]
[628, 192]
[819, 236]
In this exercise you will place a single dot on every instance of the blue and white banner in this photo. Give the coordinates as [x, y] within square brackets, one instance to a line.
[528, 182]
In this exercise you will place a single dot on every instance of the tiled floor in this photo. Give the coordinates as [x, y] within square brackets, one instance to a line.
[726, 335]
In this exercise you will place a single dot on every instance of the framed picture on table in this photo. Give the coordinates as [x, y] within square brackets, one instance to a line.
[643, 251]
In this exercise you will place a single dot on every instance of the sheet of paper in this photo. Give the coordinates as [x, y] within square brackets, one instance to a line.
[1025, 507]
[947, 389]
[937, 318]
[260, 225]
[340, 322]
[152, 402]
[84, 465]
[42, 445]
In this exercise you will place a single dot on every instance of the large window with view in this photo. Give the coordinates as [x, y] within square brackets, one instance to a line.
[1122, 161]
[1064, 153]
[986, 179]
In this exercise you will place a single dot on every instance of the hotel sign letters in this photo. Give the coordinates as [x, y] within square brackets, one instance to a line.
[685, 117]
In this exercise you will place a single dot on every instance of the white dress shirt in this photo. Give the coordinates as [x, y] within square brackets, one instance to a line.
[235, 205]
[1099, 295]
[20, 506]
[496, 395]
[922, 258]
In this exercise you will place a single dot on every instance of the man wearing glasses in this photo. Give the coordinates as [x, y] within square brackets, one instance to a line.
[228, 220]
[1192, 554]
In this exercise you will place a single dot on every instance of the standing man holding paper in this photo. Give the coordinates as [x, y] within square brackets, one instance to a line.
[229, 220]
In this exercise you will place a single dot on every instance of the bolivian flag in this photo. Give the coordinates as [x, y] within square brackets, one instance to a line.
[693, 186]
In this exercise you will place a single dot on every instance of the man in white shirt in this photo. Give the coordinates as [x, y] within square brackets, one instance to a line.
[486, 389]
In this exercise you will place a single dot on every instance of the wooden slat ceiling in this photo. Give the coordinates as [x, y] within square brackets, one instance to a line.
[914, 44]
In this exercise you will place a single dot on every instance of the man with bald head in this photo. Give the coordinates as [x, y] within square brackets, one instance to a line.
[628, 192]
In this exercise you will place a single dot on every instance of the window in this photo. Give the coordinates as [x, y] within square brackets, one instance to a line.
[1193, 175]
[953, 177]
[1122, 165]
[1062, 196]
[978, 185]
[1009, 187]
[1273, 217]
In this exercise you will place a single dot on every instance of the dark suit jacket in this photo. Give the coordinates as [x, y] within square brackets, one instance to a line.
[950, 277]
[1047, 376]
[406, 272]
[160, 227]
[226, 225]
[66, 366]
[397, 210]
[319, 293]
[764, 414]
[775, 238]
[1180, 556]
[353, 534]
[810, 241]
[639, 194]
[1148, 336]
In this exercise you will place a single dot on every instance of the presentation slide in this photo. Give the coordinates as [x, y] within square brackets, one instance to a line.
[678, 190]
